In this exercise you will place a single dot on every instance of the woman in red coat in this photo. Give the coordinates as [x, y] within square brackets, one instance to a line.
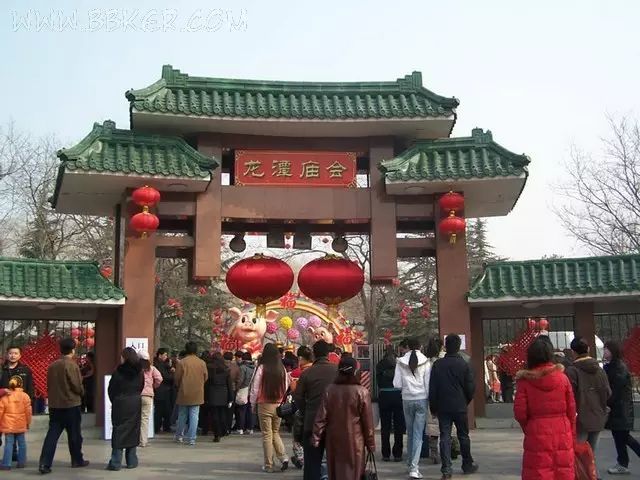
[546, 410]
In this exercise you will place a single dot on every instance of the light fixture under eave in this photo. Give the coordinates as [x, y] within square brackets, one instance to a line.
[339, 244]
[177, 187]
[46, 306]
[531, 304]
[237, 243]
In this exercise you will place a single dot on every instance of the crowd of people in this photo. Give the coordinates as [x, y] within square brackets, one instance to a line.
[424, 393]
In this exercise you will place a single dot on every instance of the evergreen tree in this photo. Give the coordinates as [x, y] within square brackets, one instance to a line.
[479, 250]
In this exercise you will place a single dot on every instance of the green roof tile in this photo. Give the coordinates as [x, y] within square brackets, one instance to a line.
[110, 150]
[462, 158]
[558, 277]
[179, 94]
[55, 280]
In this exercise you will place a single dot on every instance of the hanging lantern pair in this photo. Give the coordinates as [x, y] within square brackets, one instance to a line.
[145, 222]
[452, 225]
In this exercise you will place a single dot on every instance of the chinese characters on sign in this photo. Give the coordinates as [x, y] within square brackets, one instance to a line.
[291, 168]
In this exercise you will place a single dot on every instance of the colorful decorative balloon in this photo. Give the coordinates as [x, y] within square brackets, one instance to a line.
[314, 321]
[293, 334]
[302, 323]
[272, 328]
[286, 323]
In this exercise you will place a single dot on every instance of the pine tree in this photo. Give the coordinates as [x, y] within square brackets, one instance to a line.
[479, 250]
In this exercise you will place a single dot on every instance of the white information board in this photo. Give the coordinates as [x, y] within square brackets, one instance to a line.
[138, 344]
[108, 427]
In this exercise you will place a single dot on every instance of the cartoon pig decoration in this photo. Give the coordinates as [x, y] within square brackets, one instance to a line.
[249, 330]
[321, 333]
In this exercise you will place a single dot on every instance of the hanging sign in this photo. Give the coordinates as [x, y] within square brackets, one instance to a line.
[138, 344]
[295, 168]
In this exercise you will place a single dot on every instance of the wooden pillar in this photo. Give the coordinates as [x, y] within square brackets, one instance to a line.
[584, 324]
[382, 240]
[107, 351]
[208, 220]
[453, 284]
[477, 360]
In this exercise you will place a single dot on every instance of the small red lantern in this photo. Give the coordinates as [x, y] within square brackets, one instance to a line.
[331, 280]
[89, 332]
[531, 323]
[89, 342]
[106, 271]
[145, 196]
[395, 282]
[451, 202]
[404, 322]
[75, 332]
[202, 291]
[543, 324]
[260, 280]
[452, 226]
[144, 223]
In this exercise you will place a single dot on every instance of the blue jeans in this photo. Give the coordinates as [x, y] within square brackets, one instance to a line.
[192, 412]
[10, 439]
[130, 455]
[415, 416]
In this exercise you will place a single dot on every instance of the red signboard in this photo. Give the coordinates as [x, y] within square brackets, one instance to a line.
[291, 168]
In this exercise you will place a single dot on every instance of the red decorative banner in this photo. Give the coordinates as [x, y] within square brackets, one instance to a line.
[293, 168]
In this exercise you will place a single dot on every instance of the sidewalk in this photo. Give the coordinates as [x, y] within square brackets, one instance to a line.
[498, 452]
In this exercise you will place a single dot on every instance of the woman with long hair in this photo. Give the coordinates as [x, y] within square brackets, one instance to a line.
[546, 410]
[412, 377]
[125, 390]
[346, 422]
[218, 395]
[620, 420]
[152, 380]
[269, 387]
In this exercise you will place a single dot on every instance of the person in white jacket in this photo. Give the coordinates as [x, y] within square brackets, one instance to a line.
[412, 377]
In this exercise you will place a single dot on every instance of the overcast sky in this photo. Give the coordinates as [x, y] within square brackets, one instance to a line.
[540, 75]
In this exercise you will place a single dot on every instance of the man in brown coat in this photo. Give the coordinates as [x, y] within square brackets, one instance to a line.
[65, 392]
[191, 375]
[310, 390]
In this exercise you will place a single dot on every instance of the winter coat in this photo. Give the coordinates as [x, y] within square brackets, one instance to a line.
[234, 373]
[414, 385]
[191, 375]
[20, 370]
[125, 389]
[15, 412]
[621, 400]
[165, 388]
[218, 389]
[451, 385]
[152, 380]
[345, 421]
[385, 371]
[64, 384]
[545, 409]
[311, 388]
[591, 390]
[247, 369]
[258, 395]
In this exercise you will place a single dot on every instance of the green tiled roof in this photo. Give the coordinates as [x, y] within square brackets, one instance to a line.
[178, 93]
[110, 150]
[462, 158]
[55, 280]
[558, 277]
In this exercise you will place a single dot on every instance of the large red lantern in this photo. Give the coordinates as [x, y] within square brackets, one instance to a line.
[451, 202]
[452, 226]
[260, 280]
[144, 223]
[145, 196]
[331, 280]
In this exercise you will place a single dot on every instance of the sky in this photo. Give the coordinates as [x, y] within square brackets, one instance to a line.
[542, 76]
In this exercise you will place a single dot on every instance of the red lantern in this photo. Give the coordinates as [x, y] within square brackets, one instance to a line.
[144, 223]
[89, 332]
[89, 342]
[404, 322]
[75, 332]
[451, 202]
[452, 226]
[543, 324]
[395, 282]
[106, 271]
[145, 196]
[202, 291]
[531, 323]
[259, 280]
[331, 280]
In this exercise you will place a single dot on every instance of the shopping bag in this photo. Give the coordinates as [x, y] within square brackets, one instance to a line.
[370, 470]
[585, 463]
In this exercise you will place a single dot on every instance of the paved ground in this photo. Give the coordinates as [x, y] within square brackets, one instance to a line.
[497, 451]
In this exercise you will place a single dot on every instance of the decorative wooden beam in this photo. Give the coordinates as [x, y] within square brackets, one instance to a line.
[416, 247]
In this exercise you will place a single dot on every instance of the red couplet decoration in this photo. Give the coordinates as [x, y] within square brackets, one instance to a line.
[331, 280]
[451, 202]
[452, 226]
[89, 332]
[543, 324]
[260, 280]
[145, 196]
[144, 223]
[89, 342]
[75, 332]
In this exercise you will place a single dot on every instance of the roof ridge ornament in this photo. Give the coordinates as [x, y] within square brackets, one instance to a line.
[411, 81]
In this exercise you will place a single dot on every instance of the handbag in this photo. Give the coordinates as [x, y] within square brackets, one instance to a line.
[286, 407]
[242, 397]
[370, 469]
[585, 464]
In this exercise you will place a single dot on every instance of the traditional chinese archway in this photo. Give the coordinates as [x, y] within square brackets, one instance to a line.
[299, 158]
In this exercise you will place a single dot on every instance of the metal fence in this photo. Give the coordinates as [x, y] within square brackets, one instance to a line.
[616, 326]
[22, 332]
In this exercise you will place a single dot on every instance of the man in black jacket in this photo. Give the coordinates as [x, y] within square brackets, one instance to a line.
[451, 389]
[390, 404]
[311, 388]
[162, 407]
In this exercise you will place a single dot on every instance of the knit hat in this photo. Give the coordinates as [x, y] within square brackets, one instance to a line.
[143, 354]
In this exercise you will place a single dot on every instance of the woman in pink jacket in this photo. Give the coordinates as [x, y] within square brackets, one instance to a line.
[152, 380]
